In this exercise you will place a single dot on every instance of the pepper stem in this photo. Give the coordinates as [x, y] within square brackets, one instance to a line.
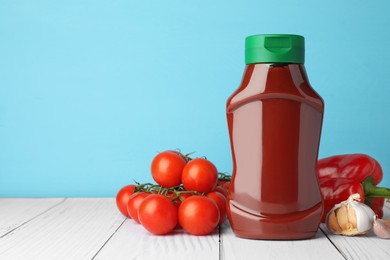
[372, 191]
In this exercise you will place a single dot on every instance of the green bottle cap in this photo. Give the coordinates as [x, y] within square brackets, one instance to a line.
[270, 48]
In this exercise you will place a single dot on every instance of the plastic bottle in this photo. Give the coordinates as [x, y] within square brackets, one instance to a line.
[275, 120]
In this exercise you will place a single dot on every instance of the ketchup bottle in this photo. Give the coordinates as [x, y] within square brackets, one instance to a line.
[275, 120]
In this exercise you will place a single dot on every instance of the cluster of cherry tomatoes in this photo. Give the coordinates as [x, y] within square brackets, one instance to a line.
[189, 194]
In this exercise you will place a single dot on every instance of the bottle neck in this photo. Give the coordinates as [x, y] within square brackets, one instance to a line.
[275, 74]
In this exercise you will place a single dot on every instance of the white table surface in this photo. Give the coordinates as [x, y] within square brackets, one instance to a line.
[93, 228]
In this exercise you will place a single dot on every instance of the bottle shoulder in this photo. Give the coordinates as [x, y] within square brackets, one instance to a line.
[263, 81]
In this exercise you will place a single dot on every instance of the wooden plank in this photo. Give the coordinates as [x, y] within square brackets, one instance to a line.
[17, 212]
[362, 247]
[75, 229]
[233, 247]
[132, 241]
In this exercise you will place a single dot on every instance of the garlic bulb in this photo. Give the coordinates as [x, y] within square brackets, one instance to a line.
[381, 227]
[350, 217]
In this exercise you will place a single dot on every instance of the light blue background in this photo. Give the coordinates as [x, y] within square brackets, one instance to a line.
[90, 91]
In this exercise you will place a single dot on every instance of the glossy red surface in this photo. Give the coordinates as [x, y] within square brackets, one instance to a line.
[274, 120]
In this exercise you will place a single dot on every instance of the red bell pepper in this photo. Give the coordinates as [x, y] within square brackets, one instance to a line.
[376, 204]
[342, 175]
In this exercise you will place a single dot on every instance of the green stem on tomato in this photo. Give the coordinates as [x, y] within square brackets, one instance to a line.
[142, 187]
[185, 156]
[223, 176]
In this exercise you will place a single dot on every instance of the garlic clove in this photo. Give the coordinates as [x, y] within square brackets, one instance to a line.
[350, 217]
[381, 227]
[364, 216]
[342, 218]
[332, 223]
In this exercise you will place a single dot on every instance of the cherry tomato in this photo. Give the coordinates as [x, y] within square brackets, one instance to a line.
[134, 203]
[198, 215]
[221, 190]
[220, 200]
[174, 199]
[184, 196]
[200, 175]
[122, 198]
[158, 214]
[224, 184]
[177, 202]
[167, 168]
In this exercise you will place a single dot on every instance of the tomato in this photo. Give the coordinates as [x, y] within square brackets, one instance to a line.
[184, 196]
[200, 175]
[177, 199]
[167, 168]
[173, 198]
[177, 202]
[220, 200]
[158, 214]
[198, 215]
[134, 203]
[221, 190]
[224, 184]
[122, 199]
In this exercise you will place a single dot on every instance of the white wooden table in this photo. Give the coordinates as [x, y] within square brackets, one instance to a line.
[92, 228]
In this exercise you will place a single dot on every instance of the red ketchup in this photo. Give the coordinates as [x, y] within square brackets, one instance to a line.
[275, 120]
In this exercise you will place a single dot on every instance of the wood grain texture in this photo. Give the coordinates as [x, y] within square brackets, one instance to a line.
[233, 248]
[17, 212]
[363, 247]
[132, 241]
[75, 229]
[94, 229]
